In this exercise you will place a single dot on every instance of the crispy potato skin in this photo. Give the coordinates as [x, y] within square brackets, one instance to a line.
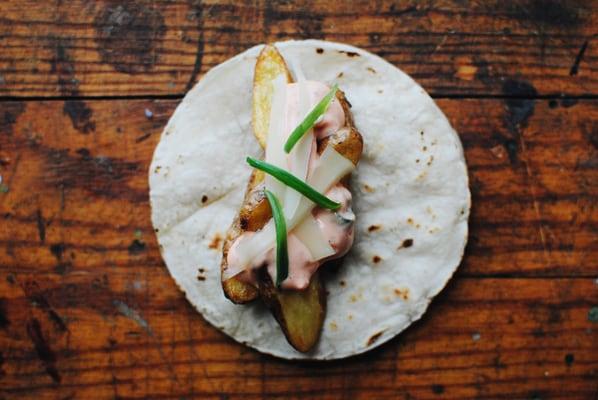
[270, 64]
[239, 292]
[254, 214]
[347, 141]
[299, 313]
[255, 211]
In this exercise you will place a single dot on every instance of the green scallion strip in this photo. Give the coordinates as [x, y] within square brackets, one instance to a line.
[310, 119]
[282, 254]
[292, 181]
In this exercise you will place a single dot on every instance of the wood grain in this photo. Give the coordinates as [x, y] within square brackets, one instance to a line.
[161, 47]
[499, 338]
[87, 308]
[533, 185]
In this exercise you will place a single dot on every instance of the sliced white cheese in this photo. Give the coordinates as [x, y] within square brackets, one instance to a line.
[274, 145]
[300, 154]
[296, 69]
[309, 233]
[330, 169]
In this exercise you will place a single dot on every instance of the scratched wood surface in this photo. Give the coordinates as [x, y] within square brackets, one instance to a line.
[159, 48]
[87, 308]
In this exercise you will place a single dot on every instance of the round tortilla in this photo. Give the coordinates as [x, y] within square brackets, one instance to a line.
[410, 189]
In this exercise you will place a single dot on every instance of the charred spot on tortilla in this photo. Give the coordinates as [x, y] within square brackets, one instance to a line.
[216, 241]
[374, 338]
[319, 50]
[350, 54]
[204, 198]
[406, 244]
[402, 293]
[373, 228]
[376, 259]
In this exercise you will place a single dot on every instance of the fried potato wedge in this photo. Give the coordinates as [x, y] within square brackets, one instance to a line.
[268, 67]
[255, 211]
[254, 214]
[299, 313]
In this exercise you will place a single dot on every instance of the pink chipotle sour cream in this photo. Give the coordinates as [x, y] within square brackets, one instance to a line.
[336, 227]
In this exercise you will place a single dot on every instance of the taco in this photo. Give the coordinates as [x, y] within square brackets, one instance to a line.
[220, 236]
[307, 131]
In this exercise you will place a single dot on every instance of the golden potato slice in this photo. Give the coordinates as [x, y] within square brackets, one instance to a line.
[300, 313]
[268, 67]
[254, 214]
[238, 291]
[255, 211]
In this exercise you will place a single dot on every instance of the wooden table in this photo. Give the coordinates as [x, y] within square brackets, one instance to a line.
[87, 307]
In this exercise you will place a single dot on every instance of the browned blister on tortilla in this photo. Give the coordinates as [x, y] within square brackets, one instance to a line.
[299, 313]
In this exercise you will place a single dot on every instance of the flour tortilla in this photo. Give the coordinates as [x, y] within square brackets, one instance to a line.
[411, 198]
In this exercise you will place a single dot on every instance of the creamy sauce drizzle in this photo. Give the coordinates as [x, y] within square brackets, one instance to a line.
[336, 227]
